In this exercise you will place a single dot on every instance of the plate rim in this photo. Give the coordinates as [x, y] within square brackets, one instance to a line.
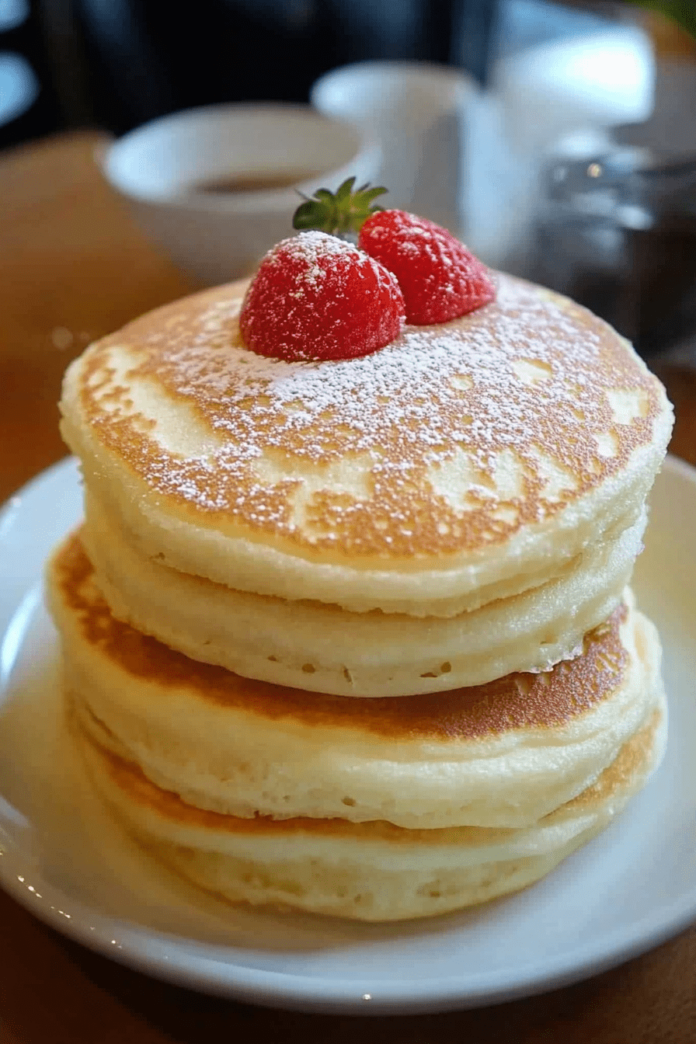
[216, 968]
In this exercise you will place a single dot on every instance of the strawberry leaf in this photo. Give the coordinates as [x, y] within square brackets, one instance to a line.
[341, 212]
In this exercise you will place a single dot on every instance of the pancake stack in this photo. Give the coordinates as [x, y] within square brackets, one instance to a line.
[355, 636]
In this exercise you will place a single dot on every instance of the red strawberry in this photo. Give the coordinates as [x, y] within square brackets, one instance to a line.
[440, 279]
[317, 297]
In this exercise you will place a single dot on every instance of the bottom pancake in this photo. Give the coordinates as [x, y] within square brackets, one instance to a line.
[365, 871]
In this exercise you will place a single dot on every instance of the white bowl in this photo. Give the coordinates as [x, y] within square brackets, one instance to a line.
[216, 236]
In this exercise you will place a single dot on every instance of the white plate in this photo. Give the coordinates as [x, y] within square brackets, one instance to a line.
[65, 860]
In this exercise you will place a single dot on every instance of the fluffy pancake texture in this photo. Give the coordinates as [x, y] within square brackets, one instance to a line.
[323, 648]
[464, 463]
[501, 755]
[445, 529]
[368, 871]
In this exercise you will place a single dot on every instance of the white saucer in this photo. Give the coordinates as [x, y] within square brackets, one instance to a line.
[62, 857]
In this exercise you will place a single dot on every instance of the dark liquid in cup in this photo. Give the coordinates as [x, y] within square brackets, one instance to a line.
[262, 181]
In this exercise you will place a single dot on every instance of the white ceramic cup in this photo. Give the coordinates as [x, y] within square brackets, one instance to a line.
[216, 236]
[417, 111]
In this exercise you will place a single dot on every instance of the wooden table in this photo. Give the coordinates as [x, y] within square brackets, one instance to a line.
[72, 267]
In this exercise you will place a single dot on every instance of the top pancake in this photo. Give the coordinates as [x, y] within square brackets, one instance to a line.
[403, 480]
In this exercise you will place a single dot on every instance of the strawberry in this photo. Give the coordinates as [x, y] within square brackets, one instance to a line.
[317, 297]
[440, 279]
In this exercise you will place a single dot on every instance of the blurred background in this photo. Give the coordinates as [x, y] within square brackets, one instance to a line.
[579, 162]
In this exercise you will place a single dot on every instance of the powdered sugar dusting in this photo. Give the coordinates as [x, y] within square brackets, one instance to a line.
[408, 409]
[317, 297]
[439, 277]
[310, 247]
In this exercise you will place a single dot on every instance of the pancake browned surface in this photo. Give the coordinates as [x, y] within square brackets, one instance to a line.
[445, 528]
[464, 462]
[368, 871]
[503, 754]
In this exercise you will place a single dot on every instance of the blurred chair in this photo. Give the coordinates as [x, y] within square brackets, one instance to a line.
[27, 107]
[142, 58]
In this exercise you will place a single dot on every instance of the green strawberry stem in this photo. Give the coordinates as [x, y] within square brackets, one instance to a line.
[338, 213]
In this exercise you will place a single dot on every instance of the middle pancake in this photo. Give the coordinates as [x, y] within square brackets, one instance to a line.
[503, 754]
[324, 648]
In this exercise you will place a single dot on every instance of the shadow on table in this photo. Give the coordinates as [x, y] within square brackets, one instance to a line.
[603, 1009]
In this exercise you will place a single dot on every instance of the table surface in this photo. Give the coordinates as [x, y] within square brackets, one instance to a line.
[72, 267]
